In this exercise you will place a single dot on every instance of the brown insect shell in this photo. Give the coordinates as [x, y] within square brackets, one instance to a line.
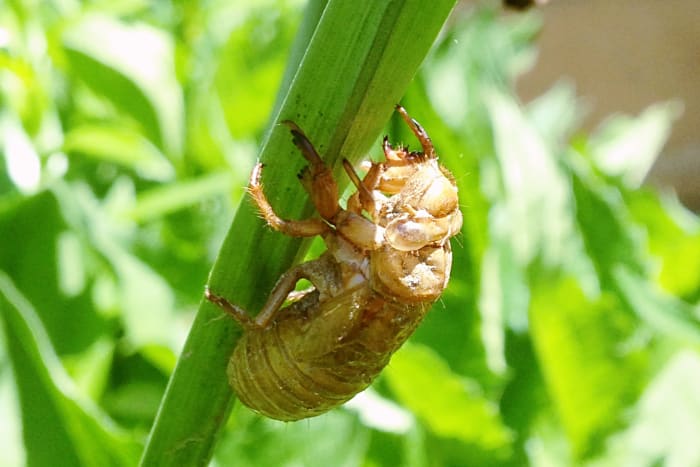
[427, 189]
[373, 286]
[415, 276]
[413, 264]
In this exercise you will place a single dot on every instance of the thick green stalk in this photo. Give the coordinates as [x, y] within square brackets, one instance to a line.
[356, 64]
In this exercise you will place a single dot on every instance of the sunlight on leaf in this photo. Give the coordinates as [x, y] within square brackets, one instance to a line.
[556, 113]
[59, 425]
[380, 413]
[21, 159]
[537, 196]
[119, 145]
[674, 239]
[451, 406]
[11, 445]
[627, 147]
[666, 314]
[665, 425]
[166, 199]
[590, 376]
[335, 438]
[90, 370]
[133, 64]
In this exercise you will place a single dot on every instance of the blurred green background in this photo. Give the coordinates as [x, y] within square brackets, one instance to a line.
[569, 334]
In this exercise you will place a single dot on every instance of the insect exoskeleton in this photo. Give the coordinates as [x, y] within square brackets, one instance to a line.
[388, 259]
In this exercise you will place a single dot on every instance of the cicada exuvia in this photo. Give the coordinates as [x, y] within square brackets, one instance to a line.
[388, 259]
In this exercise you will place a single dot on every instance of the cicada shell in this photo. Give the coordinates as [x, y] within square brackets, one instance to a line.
[388, 259]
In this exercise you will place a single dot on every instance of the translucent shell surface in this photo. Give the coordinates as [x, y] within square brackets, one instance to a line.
[388, 259]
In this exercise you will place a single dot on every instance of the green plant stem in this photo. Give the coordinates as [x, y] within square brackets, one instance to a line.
[356, 64]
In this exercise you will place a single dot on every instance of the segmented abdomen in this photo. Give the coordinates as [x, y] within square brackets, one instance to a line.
[301, 365]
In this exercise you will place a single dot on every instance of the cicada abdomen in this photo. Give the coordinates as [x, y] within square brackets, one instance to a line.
[388, 259]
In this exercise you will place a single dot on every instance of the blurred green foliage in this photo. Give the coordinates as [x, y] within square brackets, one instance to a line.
[569, 333]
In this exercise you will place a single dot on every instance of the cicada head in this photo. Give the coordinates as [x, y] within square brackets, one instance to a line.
[423, 206]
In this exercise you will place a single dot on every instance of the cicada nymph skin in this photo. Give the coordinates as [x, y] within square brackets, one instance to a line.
[388, 259]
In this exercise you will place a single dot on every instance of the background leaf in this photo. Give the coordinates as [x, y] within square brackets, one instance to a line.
[132, 66]
[57, 423]
[590, 373]
[568, 332]
[452, 408]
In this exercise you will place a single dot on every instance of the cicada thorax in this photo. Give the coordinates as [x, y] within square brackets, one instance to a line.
[388, 260]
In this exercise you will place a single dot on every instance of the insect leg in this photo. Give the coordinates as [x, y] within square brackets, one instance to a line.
[238, 313]
[320, 273]
[354, 204]
[278, 296]
[420, 133]
[317, 178]
[374, 170]
[360, 231]
[302, 228]
[366, 198]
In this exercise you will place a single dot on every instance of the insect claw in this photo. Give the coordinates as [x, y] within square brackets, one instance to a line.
[366, 198]
[306, 179]
[389, 152]
[292, 126]
[302, 142]
[354, 178]
[236, 312]
[420, 133]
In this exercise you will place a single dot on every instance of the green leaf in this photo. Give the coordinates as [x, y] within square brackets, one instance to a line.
[480, 53]
[556, 113]
[333, 439]
[609, 234]
[120, 145]
[133, 66]
[665, 314]
[503, 299]
[11, 445]
[252, 63]
[449, 405]
[139, 287]
[60, 427]
[165, 199]
[665, 425]
[39, 256]
[673, 238]
[538, 202]
[90, 369]
[146, 300]
[627, 147]
[591, 365]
